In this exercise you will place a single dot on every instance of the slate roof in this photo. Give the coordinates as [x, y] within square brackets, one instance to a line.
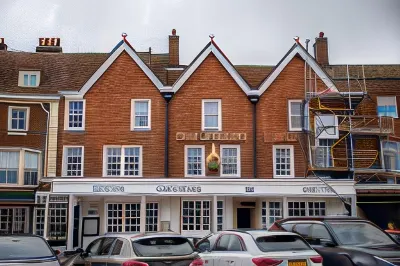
[69, 71]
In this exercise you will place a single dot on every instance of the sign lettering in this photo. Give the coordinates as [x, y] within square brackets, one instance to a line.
[178, 189]
[249, 189]
[211, 136]
[108, 188]
[316, 190]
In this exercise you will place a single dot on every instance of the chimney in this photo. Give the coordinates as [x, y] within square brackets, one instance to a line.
[321, 50]
[174, 49]
[49, 45]
[3, 46]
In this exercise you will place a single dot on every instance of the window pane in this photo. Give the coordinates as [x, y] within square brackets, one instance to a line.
[229, 161]
[26, 80]
[73, 161]
[141, 114]
[211, 121]
[194, 161]
[132, 161]
[295, 108]
[33, 81]
[31, 160]
[211, 108]
[75, 114]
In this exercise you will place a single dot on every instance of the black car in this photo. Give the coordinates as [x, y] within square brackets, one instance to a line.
[333, 235]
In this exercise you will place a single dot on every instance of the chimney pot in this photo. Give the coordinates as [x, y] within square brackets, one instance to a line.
[49, 45]
[321, 34]
[173, 32]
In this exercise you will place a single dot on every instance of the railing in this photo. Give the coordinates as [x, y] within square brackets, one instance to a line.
[323, 157]
[366, 124]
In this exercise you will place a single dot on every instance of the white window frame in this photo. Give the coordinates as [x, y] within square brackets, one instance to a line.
[221, 225]
[133, 114]
[267, 209]
[219, 127]
[290, 115]
[27, 110]
[60, 202]
[274, 148]
[201, 215]
[296, 201]
[237, 147]
[395, 104]
[66, 115]
[153, 217]
[122, 147]
[203, 167]
[64, 160]
[29, 73]
[14, 220]
[313, 202]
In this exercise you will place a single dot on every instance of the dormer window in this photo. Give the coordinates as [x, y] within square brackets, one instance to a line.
[29, 79]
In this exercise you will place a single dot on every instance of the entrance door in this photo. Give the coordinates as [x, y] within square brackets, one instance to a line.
[243, 218]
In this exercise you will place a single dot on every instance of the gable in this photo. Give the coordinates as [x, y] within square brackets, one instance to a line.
[297, 50]
[211, 48]
[117, 51]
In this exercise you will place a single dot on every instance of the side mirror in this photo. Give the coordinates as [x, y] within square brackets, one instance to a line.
[57, 252]
[79, 250]
[327, 243]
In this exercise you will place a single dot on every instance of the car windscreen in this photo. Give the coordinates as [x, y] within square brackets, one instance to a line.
[359, 233]
[281, 243]
[23, 247]
[162, 247]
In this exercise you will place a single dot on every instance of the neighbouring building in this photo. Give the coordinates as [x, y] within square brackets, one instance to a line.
[137, 142]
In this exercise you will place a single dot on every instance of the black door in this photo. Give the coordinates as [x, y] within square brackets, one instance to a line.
[243, 218]
[76, 226]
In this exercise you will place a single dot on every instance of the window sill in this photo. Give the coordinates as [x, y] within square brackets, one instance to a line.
[207, 130]
[74, 130]
[141, 129]
[15, 133]
[283, 177]
[295, 130]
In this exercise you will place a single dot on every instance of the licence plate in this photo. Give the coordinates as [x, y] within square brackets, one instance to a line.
[297, 263]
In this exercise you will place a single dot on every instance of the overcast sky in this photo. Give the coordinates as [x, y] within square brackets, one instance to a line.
[248, 31]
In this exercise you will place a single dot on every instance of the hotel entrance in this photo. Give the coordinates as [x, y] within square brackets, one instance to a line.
[245, 210]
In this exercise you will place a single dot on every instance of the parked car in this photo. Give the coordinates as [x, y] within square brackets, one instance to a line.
[256, 247]
[139, 250]
[18, 250]
[395, 234]
[340, 234]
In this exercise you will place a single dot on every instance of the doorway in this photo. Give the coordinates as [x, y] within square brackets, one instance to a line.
[243, 218]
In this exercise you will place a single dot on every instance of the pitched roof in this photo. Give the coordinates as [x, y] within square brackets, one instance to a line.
[63, 71]
[293, 51]
[211, 47]
[254, 74]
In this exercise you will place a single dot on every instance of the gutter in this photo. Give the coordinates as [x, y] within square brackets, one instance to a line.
[254, 100]
[167, 97]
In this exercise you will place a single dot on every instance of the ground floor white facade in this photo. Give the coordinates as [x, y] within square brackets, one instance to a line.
[76, 210]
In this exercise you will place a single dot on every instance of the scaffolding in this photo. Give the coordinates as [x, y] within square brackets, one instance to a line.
[336, 136]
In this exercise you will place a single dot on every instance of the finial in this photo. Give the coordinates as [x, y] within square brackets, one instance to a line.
[124, 35]
[211, 37]
[297, 39]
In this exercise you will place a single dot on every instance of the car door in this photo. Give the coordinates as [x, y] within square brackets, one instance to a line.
[228, 251]
[121, 252]
[100, 256]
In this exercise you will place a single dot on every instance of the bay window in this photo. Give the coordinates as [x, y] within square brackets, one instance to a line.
[14, 220]
[19, 166]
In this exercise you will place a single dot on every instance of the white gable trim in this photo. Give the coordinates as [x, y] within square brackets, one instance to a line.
[193, 67]
[110, 60]
[310, 61]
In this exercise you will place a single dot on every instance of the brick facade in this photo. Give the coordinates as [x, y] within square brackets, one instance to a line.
[111, 97]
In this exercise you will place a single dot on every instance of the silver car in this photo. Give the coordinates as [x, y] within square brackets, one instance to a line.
[19, 250]
[139, 249]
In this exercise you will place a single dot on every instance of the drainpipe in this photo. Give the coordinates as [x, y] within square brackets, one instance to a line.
[167, 97]
[254, 100]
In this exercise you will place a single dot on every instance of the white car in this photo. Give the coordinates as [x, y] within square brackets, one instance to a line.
[256, 247]
[22, 250]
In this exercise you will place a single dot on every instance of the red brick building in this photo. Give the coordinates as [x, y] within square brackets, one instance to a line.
[138, 142]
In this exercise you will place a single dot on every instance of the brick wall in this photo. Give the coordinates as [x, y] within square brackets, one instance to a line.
[36, 135]
[108, 111]
[210, 81]
[272, 117]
